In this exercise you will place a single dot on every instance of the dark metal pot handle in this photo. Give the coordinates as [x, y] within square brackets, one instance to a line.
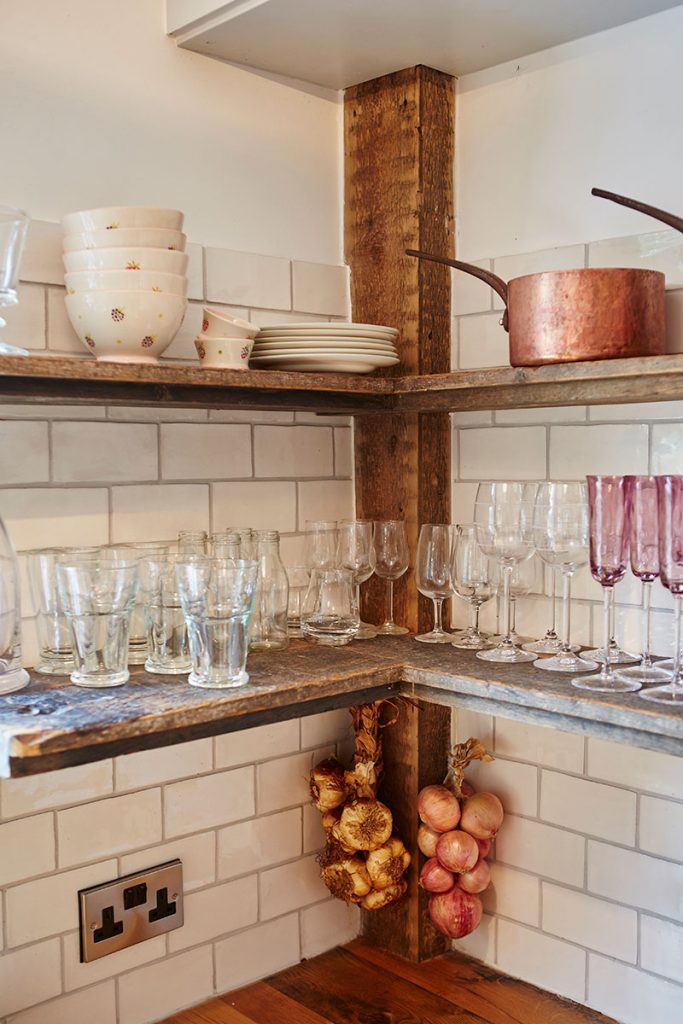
[489, 278]
[634, 204]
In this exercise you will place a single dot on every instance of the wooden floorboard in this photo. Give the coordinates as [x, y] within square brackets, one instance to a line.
[358, 984]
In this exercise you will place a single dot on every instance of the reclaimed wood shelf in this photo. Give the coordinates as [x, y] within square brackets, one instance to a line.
[72, 380]
[360, 983]
[52, 724]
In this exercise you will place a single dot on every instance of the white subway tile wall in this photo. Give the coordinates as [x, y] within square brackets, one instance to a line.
[596, 920]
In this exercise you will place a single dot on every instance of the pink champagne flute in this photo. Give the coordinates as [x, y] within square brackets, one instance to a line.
[670, 522]
[645, 566]
[609, 532]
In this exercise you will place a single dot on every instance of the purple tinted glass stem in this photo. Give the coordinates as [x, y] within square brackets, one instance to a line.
[676, 680]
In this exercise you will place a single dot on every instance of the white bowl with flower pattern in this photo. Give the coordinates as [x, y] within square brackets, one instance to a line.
[126, 326]
[155, 238]
[123, 280]
[114, 218]
[224, 353]
[218, 323]
[126, 258]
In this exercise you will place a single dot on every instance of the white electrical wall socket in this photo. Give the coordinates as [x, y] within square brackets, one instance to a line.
[130, 909]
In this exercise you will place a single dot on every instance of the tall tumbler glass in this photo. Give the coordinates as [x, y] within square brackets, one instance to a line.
[138, 639]
[433, 576]
[472, 577]
[12, 675]
[502, 514]
[560, 536]
[644, 566]
[217, 597]
[329, 614]
[670, 525]
[98, 597]
[609, 522]
[168, 650]
[392, 559]
[355, 551]
[55, 651]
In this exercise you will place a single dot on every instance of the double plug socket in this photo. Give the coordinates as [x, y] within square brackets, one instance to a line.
[128, 910]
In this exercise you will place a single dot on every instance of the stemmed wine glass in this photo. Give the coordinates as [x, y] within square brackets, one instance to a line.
[645, 566]
[502, 513]
[321, 538]
[391, 562]
[550, 643]
[560, 535]
[357, 553]
[433, 576]
[670, 525]
[13, 231]
[609, 522]
[472, 580]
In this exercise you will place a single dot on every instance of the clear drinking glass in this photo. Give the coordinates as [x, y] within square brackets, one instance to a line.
[12, 676]
[670, 526]
[609, 521]
[645, 566]
[298, 578]
[391, 562]
[13, 230]
[433, 576]
[473, 581]
[321, 539]
[168, 650]
[550, 643]
[55, 651]
[617, 656]
[356, 552]
[268, 626]
[98, 597]
[503, 514]
[525, 578]
[227, 544]
[217, 597]
[329, 614]
[560, 536]
[138, 640]
[193, 542]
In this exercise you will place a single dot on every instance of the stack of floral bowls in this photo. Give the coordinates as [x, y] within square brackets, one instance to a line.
[225, 342]
[126, 280]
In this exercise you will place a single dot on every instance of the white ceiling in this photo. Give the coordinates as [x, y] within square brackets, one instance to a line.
[337, 43]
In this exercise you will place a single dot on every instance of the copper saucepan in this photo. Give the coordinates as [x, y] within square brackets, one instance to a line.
[563, 316]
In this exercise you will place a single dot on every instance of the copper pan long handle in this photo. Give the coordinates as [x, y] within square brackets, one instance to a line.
[634, 204]
[492, 280]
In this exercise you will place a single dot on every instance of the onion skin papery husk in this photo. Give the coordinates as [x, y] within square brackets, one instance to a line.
[476, 880]
[327, 785]
[427, 839]
[434, 877]
[455, 913]
[347, 879]
[387, 864]
[457, 851]
[379, 898]
[482, 815]
[365, 825]
[438, 808]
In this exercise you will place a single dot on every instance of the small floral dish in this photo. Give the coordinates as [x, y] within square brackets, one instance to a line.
[113, 218]
[126, 326]
[223, 353]
[216, 323]
[122, 280]
[126, 258]
[155, 238]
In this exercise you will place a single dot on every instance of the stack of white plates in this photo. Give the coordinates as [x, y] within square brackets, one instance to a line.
[335, 347]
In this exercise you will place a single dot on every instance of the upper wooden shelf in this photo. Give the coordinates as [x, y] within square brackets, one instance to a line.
[64, 380]
[52, 724]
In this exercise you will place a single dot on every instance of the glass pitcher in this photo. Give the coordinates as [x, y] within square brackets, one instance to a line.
[12, 675]
[268, 627]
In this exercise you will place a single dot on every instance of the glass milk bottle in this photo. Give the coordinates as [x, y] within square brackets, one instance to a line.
[12, 675]
[268, 628]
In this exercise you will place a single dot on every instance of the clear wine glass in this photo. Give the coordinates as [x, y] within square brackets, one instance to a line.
[609, 523]
[433, 576]
[391, 562]
[502, 513]
[472, 579]
[525, 578]
[550, 643]
[13, 231]
[670, 526]
[320, 544]
[560, 535]
[357, 553]
[645, 566]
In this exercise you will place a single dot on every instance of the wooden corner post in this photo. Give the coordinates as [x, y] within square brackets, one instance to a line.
[399, 144]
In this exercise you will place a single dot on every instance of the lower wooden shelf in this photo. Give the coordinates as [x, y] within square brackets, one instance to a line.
[357, 983]
[53, 724]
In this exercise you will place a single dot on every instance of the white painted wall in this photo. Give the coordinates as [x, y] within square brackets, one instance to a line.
[535, 135]
[99, 107]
